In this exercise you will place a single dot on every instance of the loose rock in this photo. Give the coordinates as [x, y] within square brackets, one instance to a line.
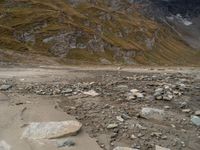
[5, 87]
[195, 120]
[197, 113]
[152, 113]
[124, 148]
[91, 93]
[65, 143]
[161, 148]
[49, 130]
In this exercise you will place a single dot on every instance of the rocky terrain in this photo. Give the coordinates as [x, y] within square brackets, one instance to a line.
[99, 32]
[120, 108]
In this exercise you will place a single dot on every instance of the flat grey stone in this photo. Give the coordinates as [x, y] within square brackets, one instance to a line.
[5, 87]
[195, 120]
[112, 126]
[50, 130]
[152, 113]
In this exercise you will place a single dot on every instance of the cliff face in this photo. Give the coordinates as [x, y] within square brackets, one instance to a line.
[100, 31]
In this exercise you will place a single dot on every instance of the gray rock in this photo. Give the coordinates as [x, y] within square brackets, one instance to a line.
[49, 130]
[195, 120]
[5, 87]
[152, 113]
[65, 143]
[124, 148]
[67, 91]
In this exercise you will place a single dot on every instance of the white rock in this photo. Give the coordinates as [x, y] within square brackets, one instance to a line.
[4, 146]
[112, 126]
[133, 137]
[91, 93]
[186, 110]
[124, 148]
[161, 148]
[120, 118]
[152, 113]
[49, 130]
[136, 93]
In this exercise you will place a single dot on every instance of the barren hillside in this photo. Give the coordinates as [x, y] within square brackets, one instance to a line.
[98, 31]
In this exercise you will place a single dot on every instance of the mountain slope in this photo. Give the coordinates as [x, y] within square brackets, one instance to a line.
[98, 31]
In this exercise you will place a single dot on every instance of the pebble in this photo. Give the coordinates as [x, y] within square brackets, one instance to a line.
[136, 93]
[186, 110]
[120, 118]
[65, 142]
[195, 120]
[112, 126]
[166, 107]
[124, 148]
[91, 93]
[197, 113]
[133, 137]
[161, 148]
[152, 113]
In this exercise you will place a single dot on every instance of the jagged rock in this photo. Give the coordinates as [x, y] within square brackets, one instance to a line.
[161, 148]
[124, 148]
[152, 113]
[5, 87]
[48, 130]
[91, 93]
[195, 120]
[4, 146]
